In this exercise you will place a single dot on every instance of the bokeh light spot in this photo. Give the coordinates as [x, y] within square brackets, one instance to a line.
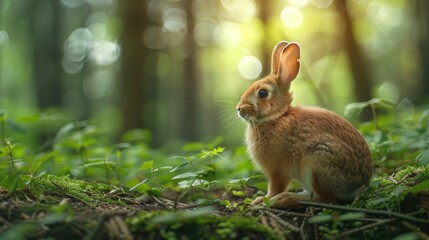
[243, 10]
[228, 34]
[322, 3]
[250, 67]
[174, 20]
[72, 3]
[105, 53]
[154, 38]
[75, 50]
[292, 17]
[381, 14]
[204, 33]
[4, 39]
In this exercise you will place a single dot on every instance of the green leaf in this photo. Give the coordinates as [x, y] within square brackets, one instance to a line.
[320, 219]
[4, 149]
[53, 218]
[238, 193]
[162, 168]
[184, 175]
[40, 160]
[215, 142]
[30, 118]
[407, 236]
[225, 203]
[351, 216]
[398, 190]
[139, 184]
[179, 167]
[423, 158]
[102, 164]
[419, 187]
[154, 192]
[377, 201]
[194, 146]
[214, 152]
[147, 165]
[15, 126]
[380, 102]
[355, 109]
[2, 116]
[20, 231]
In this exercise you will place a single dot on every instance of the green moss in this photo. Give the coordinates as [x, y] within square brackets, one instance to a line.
[86, 192]
[198, 224]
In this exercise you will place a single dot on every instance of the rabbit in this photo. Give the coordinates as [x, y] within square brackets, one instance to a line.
[316, 147]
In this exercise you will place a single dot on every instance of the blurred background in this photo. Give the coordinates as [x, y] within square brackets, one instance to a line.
[177, 68]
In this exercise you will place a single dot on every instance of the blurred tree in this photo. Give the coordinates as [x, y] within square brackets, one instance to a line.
[132, 78]
[46, 25]
[190, 87]
[423, 26]
[358, 64]
[264, 13]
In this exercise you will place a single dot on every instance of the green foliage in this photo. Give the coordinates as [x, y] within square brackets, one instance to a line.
[90, 194]
[198, 224]
[80, 158]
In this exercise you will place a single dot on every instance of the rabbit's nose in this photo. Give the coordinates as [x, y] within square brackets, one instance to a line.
[238, 109]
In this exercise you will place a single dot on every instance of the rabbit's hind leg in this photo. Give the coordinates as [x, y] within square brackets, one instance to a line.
[291, 199]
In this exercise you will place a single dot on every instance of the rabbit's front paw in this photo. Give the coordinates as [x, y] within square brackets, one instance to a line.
[258, 200]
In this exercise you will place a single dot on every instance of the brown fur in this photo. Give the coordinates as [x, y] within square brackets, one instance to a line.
[314, 146]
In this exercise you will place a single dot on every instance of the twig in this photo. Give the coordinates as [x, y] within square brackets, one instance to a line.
[372, 212]
[264, 221]
[361, 189]
[283, 222]
[363, 228]
[288, 213]
[301, 230]
[160, 202]
[117, 229]
[392, 178]
[5, 222]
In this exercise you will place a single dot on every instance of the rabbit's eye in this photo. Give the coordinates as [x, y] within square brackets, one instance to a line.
[263, 93]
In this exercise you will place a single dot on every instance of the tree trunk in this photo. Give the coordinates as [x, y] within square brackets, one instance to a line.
[264, 14]
[47, 52]
[423, 26]
[131, 80]
[190, 90]
[359, 65]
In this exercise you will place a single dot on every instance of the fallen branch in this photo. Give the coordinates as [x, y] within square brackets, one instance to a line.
[363, 228]
[283, 222]
[372, 212]
[287, 213]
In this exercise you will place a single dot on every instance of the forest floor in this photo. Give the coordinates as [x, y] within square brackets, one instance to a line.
[63, 208]
[84, 187]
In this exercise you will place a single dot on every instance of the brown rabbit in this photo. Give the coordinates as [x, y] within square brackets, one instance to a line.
[316, 147]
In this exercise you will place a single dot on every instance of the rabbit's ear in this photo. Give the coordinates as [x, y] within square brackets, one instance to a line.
[278, 49]
[289, 63]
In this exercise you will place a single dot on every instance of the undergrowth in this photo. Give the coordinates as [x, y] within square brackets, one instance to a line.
[204, 191]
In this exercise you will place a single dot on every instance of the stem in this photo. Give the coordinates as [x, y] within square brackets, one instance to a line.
[106, 168]
[374, 116]
[363, 228]
[9, 147]
[372, 212]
